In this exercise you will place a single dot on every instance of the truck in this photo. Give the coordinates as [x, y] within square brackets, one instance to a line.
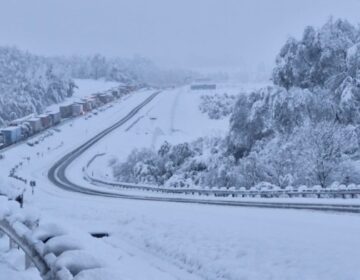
[46, 120]
[55, 117]
[35, 124]
[77, 109]
[11, 135]
[66, 111]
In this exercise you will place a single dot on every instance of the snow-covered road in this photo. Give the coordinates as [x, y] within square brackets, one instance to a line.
[47, 196]
[152, 240]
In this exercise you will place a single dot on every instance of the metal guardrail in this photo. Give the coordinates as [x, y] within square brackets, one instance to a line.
[37, 252]
[28, 249]
[351, 193]
[333, 207]
[345, 193]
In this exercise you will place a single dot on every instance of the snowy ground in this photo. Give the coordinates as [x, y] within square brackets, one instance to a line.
[153, 240]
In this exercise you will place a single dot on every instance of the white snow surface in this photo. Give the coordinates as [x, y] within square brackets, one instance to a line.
[165, 241]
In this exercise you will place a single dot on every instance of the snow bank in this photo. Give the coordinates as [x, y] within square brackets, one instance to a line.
[64, 274]
[10, 187]
[76, 261]
[46, 231]
[60, 244]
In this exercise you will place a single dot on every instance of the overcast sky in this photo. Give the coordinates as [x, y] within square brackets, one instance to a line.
[181, 33]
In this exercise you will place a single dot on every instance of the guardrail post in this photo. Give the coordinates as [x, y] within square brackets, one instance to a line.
[28, 262]
[12, 244]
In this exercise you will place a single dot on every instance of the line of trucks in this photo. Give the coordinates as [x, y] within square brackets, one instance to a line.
[22, 129]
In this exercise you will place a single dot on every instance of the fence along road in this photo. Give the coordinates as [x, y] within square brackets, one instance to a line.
[57, 176]
[48, 246]
[28, 249]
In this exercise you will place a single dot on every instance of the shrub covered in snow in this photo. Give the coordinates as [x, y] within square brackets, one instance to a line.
[148, 166]
[201, 163]
[217, 106]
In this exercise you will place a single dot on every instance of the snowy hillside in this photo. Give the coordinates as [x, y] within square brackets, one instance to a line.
[28, 84]
[123, 70]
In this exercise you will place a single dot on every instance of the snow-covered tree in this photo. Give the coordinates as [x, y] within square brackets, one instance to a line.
[319, 57]
[29, 83]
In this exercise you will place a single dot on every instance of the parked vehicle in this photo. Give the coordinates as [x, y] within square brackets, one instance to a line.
[27, 126]
[35, 124]
[46, 120]
[26, 130]
[77, 109]
[11, 135]
[66, 111]
[55, 117]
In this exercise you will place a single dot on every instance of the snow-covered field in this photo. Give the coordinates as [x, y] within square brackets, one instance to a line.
[153, 240]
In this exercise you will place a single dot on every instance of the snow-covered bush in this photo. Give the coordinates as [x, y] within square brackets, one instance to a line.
[313, 154]
[203, 163]
[217, 106]
[148, 166]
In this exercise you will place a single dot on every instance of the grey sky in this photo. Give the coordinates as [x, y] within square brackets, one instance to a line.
[185, 33]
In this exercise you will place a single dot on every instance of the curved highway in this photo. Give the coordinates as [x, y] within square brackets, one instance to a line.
[57, 175]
